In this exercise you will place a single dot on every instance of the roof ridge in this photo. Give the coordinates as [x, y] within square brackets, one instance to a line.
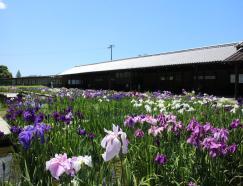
[164, 53]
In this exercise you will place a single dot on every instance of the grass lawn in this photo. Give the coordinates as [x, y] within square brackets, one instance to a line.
[2, 113]
[2, 110]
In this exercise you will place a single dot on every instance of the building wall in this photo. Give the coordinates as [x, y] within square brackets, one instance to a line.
[30, 81]
[212, 78]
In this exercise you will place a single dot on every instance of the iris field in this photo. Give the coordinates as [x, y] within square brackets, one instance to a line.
[88, 137]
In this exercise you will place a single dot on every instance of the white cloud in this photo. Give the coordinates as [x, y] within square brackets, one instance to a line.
[2, 5]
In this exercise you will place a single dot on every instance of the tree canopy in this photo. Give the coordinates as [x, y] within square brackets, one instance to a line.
[4, 72]
[18, 75]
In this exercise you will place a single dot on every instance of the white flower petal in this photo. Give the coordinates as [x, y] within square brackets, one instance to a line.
[112, 149]
[87, 160]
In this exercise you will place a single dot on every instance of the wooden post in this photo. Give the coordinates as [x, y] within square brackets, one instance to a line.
[130, 80]
[109, 80]
[195, 74]
[236, 81]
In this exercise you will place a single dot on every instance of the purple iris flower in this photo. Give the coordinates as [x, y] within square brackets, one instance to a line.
[19, 112]
[192, 125]
[56, 116]
[39, 118]
[235, 124]
[30, 132]
[176, 127]
[40, 129]
[67, 118]
[62, 118]
[10, 117]
[207, 127]
[16, 129]
[161, 119]
[232, 148]
[214, 140]
[37, 108]
[221, 135]
[91, 136]
[69, 109]
[139, 133]
[160, 159]
[240, 101]
[25, 138]
[194, 140]
[117, 96]
[29, 116]
[50, 100]
[81, 132]
[129, 121]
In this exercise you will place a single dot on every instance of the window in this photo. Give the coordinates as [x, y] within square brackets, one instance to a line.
[232, 78]
[171, 78]
[162, 78]
[210, 77]
[167, 77]
[77, 82]
[200, 77]
[123, 74]
[206, 77]
[74, 82]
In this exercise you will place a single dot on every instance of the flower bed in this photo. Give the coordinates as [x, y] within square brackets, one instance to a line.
[129, 138]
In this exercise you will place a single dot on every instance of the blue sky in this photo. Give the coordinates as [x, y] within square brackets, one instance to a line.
[49, 36]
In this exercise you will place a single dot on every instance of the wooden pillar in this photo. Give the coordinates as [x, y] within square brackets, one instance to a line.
[236, 92]
[109, 81]
[195, 74]
[130, 80]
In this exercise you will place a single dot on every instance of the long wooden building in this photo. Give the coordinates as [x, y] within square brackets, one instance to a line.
[50, 81]
[213, 69]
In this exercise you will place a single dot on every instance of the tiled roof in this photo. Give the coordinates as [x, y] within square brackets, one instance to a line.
[238, 56]
[216, 53]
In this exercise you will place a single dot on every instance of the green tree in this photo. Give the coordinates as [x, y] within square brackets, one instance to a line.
[4, 72]
[18, 75]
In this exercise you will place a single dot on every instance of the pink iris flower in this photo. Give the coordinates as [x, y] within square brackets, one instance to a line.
[61, 164]
[58, 165]
[114, 142]
[154, 130]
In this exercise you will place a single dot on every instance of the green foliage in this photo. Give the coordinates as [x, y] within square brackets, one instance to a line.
[4, 72]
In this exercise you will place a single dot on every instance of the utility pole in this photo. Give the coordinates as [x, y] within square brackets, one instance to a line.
[110, 47]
